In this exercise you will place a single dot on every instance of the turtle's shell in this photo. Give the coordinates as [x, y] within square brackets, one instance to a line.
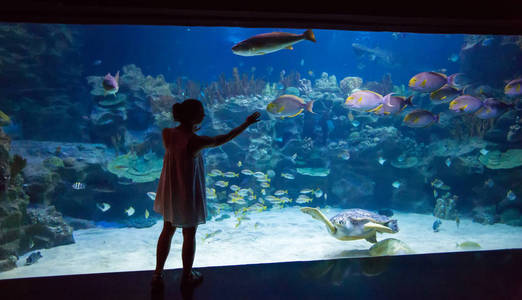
[357, 214]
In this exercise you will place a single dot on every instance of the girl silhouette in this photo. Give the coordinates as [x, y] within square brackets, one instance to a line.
[180, 196]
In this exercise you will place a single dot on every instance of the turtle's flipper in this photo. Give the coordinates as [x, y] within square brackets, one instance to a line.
[318, 215]
[378, 227]
[372, 238]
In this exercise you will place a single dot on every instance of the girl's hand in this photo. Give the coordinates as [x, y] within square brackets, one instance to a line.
[253, 118]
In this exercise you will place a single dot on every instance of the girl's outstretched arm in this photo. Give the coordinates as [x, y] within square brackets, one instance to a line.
[201, 142]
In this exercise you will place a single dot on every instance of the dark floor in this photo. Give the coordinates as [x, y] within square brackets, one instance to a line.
[465, 275]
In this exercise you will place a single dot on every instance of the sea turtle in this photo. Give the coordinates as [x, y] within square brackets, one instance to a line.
[390, 247]
[355, 224]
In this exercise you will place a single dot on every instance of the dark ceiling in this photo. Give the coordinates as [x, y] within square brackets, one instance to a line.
[411, 16]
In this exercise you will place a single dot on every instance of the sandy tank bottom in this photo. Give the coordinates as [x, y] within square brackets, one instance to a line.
[280, 235]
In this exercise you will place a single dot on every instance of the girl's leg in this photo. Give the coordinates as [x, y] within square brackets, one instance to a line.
[163, 248]
[189, 249]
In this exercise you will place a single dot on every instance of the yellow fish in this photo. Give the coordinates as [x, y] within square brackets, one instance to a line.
[289, 106]
[146, 213]
[130, 211]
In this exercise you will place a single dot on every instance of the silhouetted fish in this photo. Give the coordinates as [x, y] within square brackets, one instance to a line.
[270, 42]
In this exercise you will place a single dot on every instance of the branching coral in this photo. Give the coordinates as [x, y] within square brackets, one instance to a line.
[183, 89]
[469, 126]
[240, 84]
[291, 79]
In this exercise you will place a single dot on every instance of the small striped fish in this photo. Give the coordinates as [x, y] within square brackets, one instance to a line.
[78, 186]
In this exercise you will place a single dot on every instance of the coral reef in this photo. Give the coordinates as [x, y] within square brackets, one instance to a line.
[130, 108]
[467, 126]
[270, 91]
[138, 169]
[161, 107]
[290, 79]
[21, 228]
[45, 172]
[42, 65]
[485, 215]
[511, 216]
[371, 137]
[512, 158]
[402, 162]
[446, 207]
[305, 86]
[451, 147]
[16, 166]
[47, 228]
[472, 164]
[88, 164]
[5, 166]
[383, 87]
[348, 84]
[240, 84]
[326, 83]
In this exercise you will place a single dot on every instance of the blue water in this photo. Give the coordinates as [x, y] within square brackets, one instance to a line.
[97, 158]
[49, 99]
[202, 53]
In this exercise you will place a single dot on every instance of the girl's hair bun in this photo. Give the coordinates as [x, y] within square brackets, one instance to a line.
[188, 111]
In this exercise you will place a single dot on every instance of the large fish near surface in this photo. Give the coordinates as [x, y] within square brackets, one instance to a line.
[111, 84]
[513, 88]
[465, 104]
[289, 106]
[427, 82]
[363, 100]
[373, 54]
[420, 118]
[270, 42]
[492, 108]
[392, 105]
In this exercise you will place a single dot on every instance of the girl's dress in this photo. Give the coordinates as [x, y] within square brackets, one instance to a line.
[180, 196]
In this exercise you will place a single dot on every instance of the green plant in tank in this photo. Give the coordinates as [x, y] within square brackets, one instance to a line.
[137, 168]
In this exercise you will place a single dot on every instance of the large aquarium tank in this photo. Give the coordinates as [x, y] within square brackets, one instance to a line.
[369, 144]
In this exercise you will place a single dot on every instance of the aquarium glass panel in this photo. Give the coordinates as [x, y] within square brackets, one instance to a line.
[368, 144]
